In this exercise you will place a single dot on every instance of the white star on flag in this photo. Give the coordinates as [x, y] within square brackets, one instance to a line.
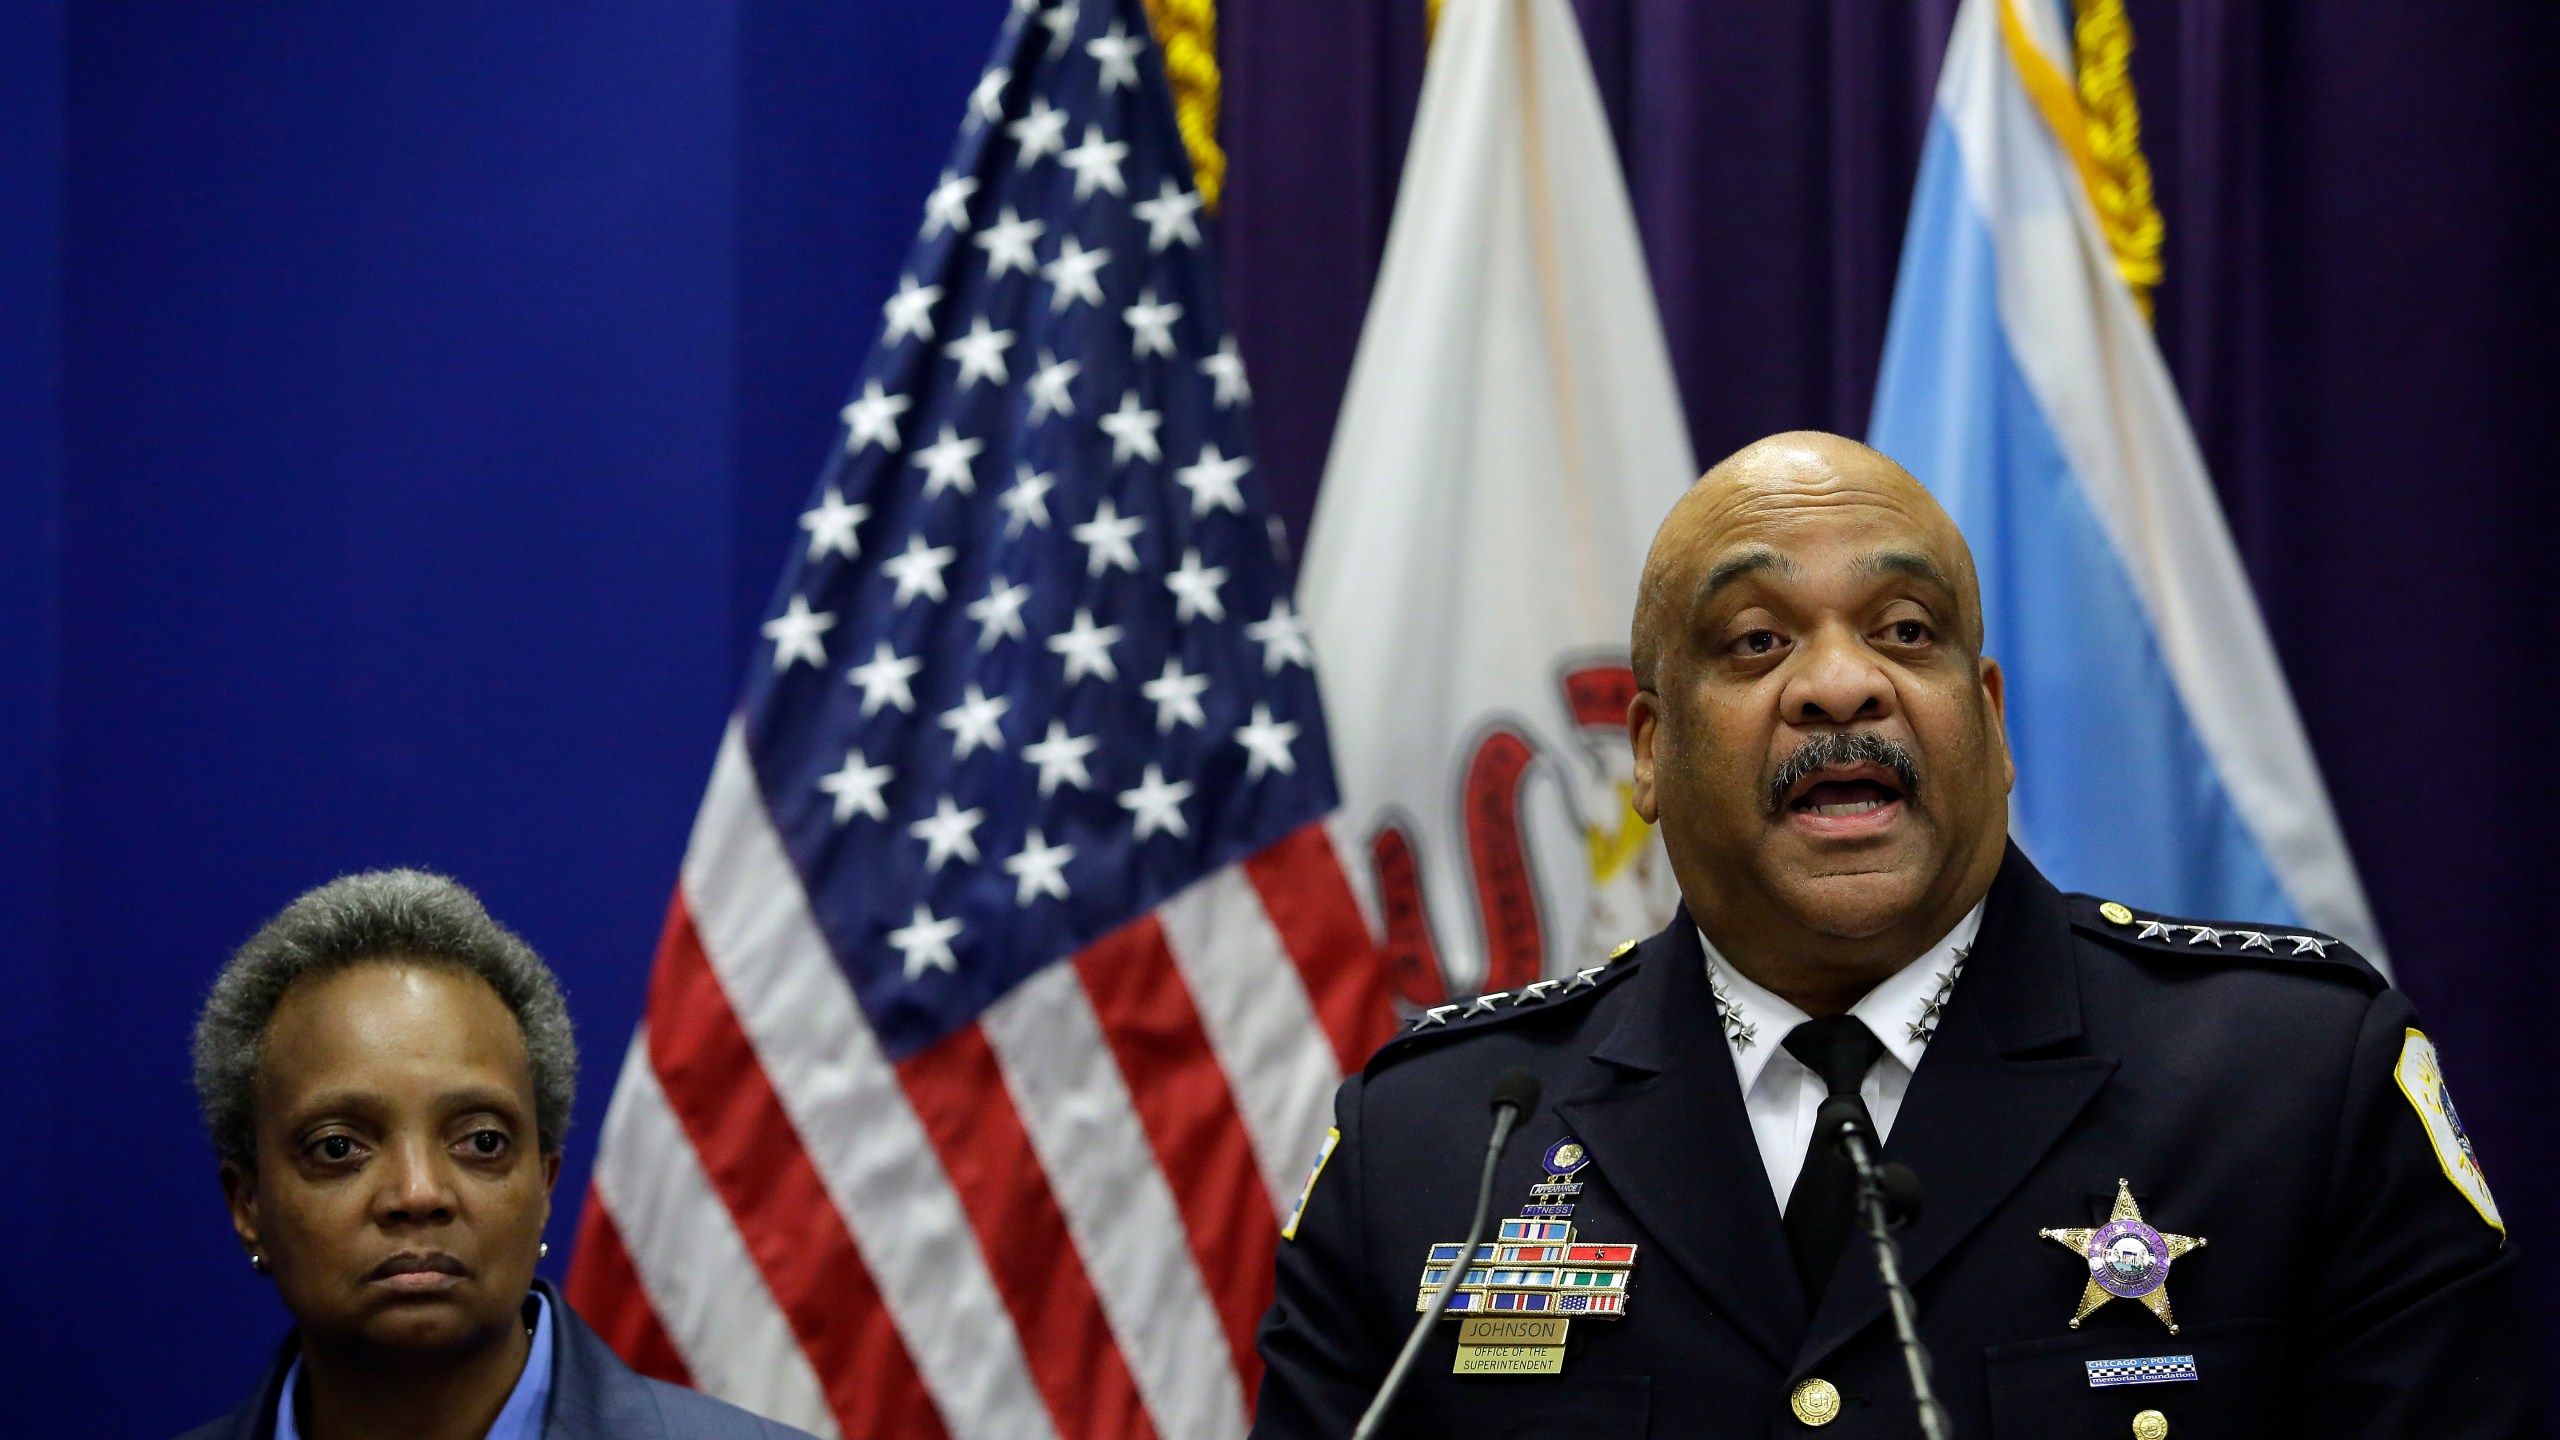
[1062, 25]
[1195, 589]
[1266, 742]
[946, 464]
[1132, 429]
[1226, 371]
[1097, 162]
[1026, 501]
[1213, 481]
[1168, 216]
[1283, 638]
[1118, 54]
[1040, 869]
[1048, 387]
[1157, 804]
[1087, 648]
[910, 311]
[1106, 538]
[926, 943]
[1041, 131]
[949, 831]
[981, 354]
[1075, 275]
[1151, 324]
[795, 633]
[1008, 243]
[973, 723]
[831, 526]
[1000, 613]
[873, 419]
[947, 208]
[986, 98]
[1176, 694]
[1061, 757]
[860, 787]
[918, 570]
[884, 678]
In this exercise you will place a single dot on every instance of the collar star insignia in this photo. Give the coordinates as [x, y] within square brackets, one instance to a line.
[2128, 1260]
[2257, 940]
[2199, 934]
[1486, 1004]
[2154, 929]
[2305, 945]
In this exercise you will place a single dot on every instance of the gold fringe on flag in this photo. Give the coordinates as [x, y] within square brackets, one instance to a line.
[2121, 185]
[1187, 33]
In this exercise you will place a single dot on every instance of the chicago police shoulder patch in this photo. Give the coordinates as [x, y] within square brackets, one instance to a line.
[2421, 1078]
[1306, 1192]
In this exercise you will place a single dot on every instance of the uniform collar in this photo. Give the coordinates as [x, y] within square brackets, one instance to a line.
[1902, 1009]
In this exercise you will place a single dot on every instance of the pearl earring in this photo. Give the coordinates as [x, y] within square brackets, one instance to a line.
[542, 1251]
[258, 1263]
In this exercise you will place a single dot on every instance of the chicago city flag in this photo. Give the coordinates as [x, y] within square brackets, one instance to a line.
[2160, 757]
[1010, 970]
[1510, 439]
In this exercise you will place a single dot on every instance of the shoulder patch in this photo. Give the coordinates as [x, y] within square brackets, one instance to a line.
[1307, 1192]
[1500, 1007]
[2278, 947]
[2421, 1078]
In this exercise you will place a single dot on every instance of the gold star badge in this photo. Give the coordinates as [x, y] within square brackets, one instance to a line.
[2128, 1260]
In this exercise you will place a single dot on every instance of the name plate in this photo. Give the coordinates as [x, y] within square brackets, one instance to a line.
[1509, 1360]
[1499, 1330]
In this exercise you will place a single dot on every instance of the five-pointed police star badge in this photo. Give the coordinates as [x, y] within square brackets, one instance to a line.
[2128, 1260]
[1514, 1305]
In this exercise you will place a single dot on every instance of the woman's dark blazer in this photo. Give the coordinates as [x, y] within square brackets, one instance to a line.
[594, 1396]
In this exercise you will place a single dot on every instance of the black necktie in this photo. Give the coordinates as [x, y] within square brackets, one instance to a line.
[1823, 1208]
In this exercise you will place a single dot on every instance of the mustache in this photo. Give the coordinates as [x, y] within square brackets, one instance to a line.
[1838, 750]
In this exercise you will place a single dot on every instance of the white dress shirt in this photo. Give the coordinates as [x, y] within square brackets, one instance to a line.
[1781, 1094]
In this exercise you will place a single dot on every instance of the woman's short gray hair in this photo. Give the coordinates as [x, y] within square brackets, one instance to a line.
[378, 915]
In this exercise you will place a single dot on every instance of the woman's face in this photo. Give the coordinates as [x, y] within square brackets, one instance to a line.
[399, 1193]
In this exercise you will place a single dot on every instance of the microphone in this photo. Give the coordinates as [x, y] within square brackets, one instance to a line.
[1514, 1095]
[1888, 1199]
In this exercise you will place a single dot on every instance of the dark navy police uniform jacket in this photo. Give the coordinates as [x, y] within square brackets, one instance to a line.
[2246, 1093]
[594, 1396]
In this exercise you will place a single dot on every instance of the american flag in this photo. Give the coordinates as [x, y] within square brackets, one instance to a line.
[1011, 967]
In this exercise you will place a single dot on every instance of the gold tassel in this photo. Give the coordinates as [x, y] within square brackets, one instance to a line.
[1187, 33]
[2120, 185]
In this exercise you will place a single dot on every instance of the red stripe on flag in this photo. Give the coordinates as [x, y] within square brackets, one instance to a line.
[1182, 1098]
[755, 1159]
[604, 1288]
[1310, 903]
[959, 1093]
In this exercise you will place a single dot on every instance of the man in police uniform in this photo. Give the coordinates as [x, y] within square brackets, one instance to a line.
[2181, 1178]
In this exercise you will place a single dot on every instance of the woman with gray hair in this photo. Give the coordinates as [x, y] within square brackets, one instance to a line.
[387, 1074]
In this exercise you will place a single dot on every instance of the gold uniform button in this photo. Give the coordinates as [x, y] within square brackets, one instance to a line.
[2150, 1425]
[1623, 947]
[2116, 914]
[1815, 1401]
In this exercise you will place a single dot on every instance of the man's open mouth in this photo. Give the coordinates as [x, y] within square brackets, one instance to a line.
[1838, 798]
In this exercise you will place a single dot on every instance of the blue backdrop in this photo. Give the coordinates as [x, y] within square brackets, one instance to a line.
[403, 412]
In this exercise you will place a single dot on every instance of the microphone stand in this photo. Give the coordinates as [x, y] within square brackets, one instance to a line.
[1505, 1115]
[1906, 1312]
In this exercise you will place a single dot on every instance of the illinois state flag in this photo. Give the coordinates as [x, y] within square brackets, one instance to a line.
[1510, 439]
[2160, 757]
[1010, 972]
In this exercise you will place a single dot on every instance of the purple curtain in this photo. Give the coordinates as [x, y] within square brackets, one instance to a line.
[2361, 296]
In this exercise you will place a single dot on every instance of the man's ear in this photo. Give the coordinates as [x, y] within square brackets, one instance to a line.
[1644, 723]
[1995, 689]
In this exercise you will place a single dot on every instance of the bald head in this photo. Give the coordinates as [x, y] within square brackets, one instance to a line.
[1736, 520]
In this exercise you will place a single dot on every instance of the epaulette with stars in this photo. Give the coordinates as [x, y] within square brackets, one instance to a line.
[2276, 946]
[1539, 997]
